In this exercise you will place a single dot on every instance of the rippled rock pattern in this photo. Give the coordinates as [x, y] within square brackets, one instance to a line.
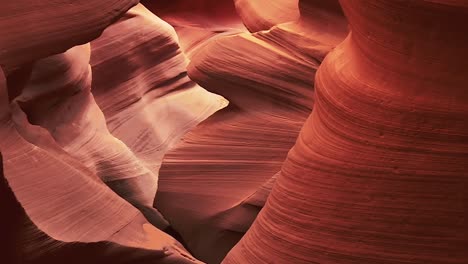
[32, 30]
[234, 131]
[378, 173]
[268, 83]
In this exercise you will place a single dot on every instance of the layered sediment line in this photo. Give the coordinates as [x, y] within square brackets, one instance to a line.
[377, 174]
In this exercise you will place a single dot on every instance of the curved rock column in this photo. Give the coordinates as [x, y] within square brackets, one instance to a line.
[378, 173]
[28, 28]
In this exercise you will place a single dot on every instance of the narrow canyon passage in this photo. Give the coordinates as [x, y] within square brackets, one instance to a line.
[234, 131]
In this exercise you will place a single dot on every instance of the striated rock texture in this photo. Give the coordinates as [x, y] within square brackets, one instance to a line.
[378, 173]
[28, 28]
[86, 170]
[65, 202]
[260, 15]
[198, 22]
[112, 152]
[25, 243]
[224, 167]
[149, 103]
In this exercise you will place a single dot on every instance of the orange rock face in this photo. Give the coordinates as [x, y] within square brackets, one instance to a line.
[268, 82]
[262, 14]
[378, 173]
[234, 131]
[28, 28]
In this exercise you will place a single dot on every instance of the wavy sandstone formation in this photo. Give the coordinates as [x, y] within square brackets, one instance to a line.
[112, 152]
[198, 22]
[29, 27]
[268, 83]
[260, 15]
[150, 102]
[67, 202]
[25, 243]
[378, 173]
[72, 148]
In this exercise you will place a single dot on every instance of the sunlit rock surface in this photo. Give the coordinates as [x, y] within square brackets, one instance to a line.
[25, 243]
[61, 201]
[157, 132]
[78, 178]
[263, 14]
[149, 102]
[230, 156]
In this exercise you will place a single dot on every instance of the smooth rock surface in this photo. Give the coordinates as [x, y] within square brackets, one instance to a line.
[232, 156]
[64, 202]
[378, 173]
[192, 130]
[260, 15]
[31, 30]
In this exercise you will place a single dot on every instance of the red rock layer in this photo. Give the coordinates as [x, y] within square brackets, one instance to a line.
[269, 84]
[150, 102]
[196, 22]
[29, 27]
[378, 173]
[66, 202]
[211, 9]
[24, 243]
[260, 15]
[58, 97]
[86, 171]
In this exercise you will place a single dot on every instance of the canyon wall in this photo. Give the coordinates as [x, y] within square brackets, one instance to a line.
[80, 184]
[234, 131]
[378, 172]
